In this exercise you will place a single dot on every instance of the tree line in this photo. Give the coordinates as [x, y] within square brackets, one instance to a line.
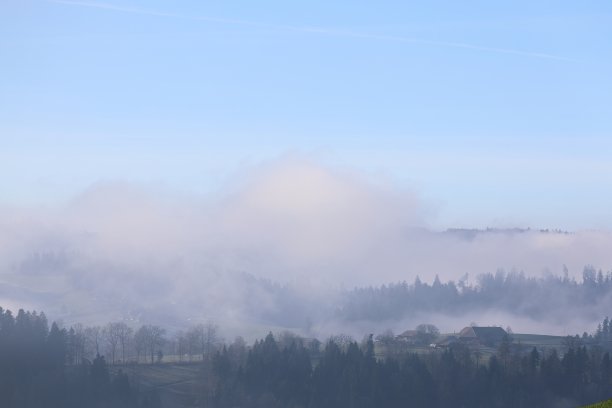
[37, 369]
[70, 367]
[51, 367]
[122, 344]
[513, 292]
[272, 374]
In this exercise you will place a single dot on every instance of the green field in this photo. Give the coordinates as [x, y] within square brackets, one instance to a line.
[604, 404]
[178, 385]
[539, 340]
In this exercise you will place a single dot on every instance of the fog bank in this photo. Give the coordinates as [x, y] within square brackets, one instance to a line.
[144, 252]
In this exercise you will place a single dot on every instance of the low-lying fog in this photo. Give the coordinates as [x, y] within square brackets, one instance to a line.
[281, 246]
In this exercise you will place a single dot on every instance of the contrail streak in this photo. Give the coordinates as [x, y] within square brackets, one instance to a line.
[314, 30]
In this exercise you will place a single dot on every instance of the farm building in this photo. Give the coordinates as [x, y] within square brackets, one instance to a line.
[482, 336]
[410, 337]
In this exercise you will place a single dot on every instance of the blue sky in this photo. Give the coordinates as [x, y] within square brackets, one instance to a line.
[496, 113]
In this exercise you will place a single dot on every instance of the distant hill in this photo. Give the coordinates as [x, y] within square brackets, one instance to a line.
[471, 233]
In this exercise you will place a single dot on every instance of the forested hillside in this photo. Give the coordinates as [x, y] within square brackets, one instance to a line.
[544, 298]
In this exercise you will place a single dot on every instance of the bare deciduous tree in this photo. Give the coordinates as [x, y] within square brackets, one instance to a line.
[124, 333]
[93, 335]
[149, 339]
[76, 343]
[181, 345]
[111, 335]
[209, 339]
[140, 343]
[192, 339]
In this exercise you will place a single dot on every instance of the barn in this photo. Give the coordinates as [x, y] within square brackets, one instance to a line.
[482, 336]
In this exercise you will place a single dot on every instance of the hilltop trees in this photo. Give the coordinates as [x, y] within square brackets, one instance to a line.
[42, 367]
